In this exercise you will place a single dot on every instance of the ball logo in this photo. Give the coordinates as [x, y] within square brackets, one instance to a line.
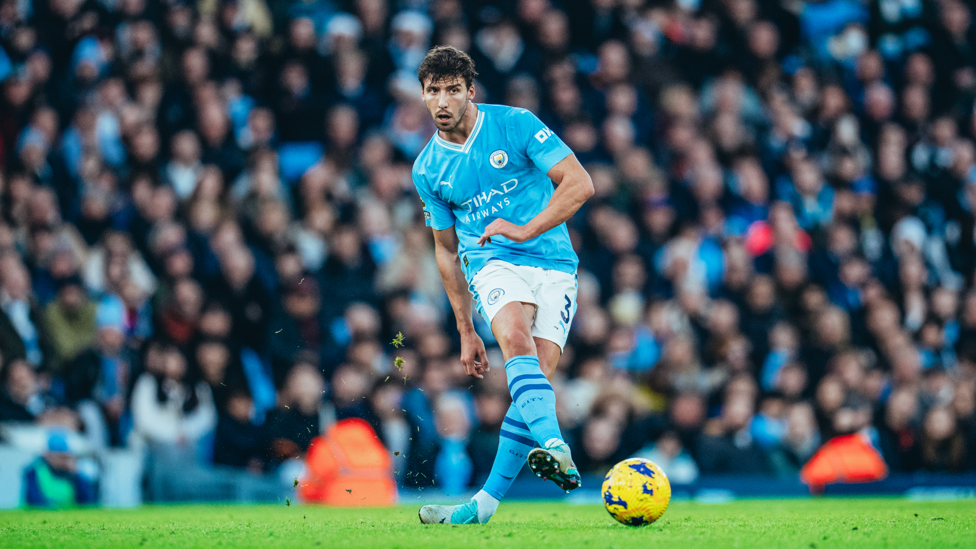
[495, 295]
[498, 159]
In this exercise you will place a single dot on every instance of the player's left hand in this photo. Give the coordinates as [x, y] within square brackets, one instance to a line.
[500, 227]
[474, 358]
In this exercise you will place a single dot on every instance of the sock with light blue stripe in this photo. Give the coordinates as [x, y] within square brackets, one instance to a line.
[533, 397]
[514, 443]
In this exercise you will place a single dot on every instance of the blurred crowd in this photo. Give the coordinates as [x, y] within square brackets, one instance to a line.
[210, 237]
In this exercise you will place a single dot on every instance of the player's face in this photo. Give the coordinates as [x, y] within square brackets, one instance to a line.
[447, 100]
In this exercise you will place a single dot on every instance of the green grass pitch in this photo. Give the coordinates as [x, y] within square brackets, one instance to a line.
[802, 523]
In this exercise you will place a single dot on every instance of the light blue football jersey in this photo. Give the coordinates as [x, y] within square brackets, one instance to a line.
[499, 172]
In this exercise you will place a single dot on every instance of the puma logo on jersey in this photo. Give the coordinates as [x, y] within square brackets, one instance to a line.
[448, 183]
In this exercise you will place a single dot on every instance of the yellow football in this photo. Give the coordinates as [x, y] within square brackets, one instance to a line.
[636, 492]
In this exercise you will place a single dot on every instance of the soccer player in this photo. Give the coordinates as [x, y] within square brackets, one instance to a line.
[486, 181]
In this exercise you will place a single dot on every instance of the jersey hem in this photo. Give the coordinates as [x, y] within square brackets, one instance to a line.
[560, 266]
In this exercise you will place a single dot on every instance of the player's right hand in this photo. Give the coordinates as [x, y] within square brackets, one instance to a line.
[474, 358]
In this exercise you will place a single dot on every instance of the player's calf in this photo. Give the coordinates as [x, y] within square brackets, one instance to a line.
[534, 398]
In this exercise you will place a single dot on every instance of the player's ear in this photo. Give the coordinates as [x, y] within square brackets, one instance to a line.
[471, 92]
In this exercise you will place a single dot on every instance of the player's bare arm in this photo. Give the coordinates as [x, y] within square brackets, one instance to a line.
[473, 356]
[573, 188]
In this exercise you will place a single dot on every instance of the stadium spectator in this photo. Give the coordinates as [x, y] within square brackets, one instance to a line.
[169, 409]
[669, 454]
[22, 330]
[726, 445]
[55, 479]
[297, 419]
[22, 399]
[453, 466]
[97, 380]
[71, 320]
[238, 442]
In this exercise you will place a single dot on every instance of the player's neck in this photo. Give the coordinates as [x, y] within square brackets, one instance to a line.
[459, 135]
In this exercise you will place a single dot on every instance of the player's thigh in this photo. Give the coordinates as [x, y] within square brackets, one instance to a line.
[556, 299]
[496, 285]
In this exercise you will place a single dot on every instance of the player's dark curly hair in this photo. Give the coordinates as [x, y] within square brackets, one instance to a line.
[447, 62]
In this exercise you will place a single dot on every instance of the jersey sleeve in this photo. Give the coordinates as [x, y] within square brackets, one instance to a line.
[437, 213]
[544, 147]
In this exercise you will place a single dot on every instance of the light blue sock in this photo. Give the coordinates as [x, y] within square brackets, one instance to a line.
[533, 397]
[514, 443]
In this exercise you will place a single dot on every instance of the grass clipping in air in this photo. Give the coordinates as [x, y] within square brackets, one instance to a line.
[397, 343]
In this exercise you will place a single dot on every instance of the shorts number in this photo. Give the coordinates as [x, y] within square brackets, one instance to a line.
[564, 314]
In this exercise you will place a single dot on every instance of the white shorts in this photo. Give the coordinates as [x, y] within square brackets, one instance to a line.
[552, 292]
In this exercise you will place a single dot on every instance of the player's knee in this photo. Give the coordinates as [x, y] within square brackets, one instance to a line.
[515, 342]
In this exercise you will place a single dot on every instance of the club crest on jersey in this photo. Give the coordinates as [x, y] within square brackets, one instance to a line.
[498, 159]
[495, 295]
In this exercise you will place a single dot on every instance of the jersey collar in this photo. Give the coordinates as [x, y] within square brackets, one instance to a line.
[469, 142]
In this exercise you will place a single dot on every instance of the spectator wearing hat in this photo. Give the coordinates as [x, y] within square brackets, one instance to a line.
[342, 33]
[57, 479]
[88, 64]
[98, 379]
[410, 33]
[33, 147]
